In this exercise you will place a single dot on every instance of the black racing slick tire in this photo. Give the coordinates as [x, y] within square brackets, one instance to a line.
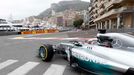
[46, 52]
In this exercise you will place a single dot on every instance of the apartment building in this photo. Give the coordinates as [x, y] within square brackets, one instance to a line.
[112, 14]
[65, 18]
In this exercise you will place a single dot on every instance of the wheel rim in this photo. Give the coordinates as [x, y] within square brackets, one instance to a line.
[42, 52]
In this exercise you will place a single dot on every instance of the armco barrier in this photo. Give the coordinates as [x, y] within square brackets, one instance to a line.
[40, 31]
[26, 32]
[34, 32]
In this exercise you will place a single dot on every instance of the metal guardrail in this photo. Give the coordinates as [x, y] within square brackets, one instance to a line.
[93, 32]
[5, 33]
[123, 30]
[83, 33]
[6, 29]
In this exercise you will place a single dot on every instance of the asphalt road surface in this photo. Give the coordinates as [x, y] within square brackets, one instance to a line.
[19, 56]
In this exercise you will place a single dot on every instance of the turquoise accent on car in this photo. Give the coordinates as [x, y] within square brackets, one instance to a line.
[100, 69]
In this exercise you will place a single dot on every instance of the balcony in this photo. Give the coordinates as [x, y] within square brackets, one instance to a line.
[100, 11]
[108, 4]
[100, 4]
[95, 3]
[95, 15]
[128, 0]
[114, 11]
[94, 10]
[129, 9]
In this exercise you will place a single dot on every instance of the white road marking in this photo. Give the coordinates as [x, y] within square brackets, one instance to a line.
[18, 38]
[7, 63]
[55, 70]
[24, 69]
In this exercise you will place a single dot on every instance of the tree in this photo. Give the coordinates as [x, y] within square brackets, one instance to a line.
[78, 23]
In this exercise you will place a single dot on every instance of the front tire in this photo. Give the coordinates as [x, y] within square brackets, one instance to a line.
[46, 52]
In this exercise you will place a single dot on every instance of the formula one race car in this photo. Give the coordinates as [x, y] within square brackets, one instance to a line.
[99, 58]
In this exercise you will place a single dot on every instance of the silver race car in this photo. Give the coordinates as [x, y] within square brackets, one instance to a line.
[109, 54]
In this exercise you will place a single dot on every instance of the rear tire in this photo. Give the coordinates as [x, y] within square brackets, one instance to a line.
[46, 52]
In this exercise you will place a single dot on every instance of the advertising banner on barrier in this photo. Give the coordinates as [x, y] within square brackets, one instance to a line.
[40, 31]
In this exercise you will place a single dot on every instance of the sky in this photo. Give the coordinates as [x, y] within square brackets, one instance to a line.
[20, 9]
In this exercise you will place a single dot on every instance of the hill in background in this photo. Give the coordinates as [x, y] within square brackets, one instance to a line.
[65, 5]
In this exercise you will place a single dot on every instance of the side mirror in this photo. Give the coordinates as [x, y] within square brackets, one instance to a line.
[76, 43]
[79, 45]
